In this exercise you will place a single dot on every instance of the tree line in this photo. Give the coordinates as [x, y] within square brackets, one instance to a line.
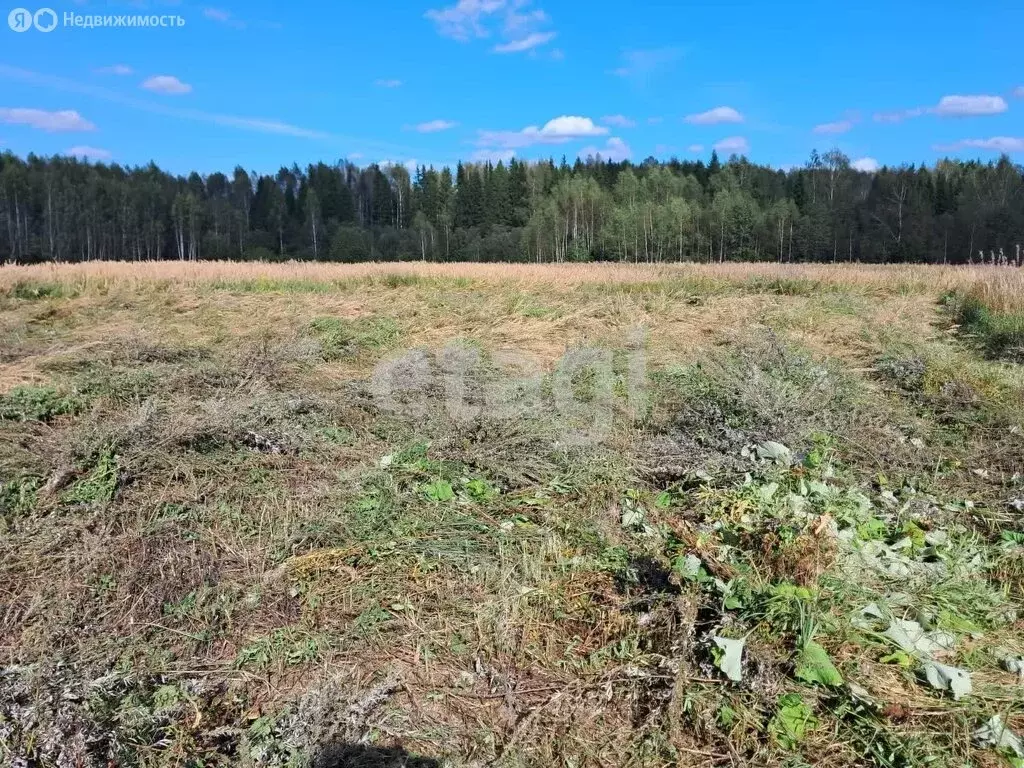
[63, 209]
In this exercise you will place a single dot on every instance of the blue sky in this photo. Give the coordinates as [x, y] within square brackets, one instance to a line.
[263, 84]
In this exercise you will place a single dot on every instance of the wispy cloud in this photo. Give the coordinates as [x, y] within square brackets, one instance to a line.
[89, 153]
[1018, 92]
[557, 131]
[527, 43]
[618, 121]
[410, 165]
[865, 164]
[255, 124]
[838, 127]
[899, 115]
[737, 145]
[1008, 144]
[521, 27]
[116, 69]
[466, 19]
[434, 126]
[168, 84]
[655, 120]
[695, 148]
[639, 65]
[715, 116]
[384, 83]
[223, 17]
[950, 106]
[63, 121]
[493, 155]
[614, 150]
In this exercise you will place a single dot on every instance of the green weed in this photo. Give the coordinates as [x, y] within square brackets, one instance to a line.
[29, 403]
[99, 485]
[342, 339]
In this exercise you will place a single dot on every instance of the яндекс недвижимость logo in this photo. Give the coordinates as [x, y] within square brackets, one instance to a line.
[46, 20]
[22, 19]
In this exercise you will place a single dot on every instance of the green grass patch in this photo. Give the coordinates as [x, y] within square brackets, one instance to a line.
[34, 290]
[99, 485]
[29, 403]
[342, 339]
[1001, 334]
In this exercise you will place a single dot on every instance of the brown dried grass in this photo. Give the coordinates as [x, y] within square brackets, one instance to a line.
[1002, 291]
[1002, 282]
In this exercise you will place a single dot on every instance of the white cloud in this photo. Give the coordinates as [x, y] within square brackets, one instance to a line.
[1018, 92]
[89, 153]
[695, 148]
[614, 150]
[386, 83]
[969, 106]
[465, 19]
[641, 64]
[355, 155]
[517, 22]
[434, 126]
[865, 164]
[995, 144]
[223, 17]
[40, 80]
[557, 131]
[950, 106]
[63, 121]
[520, 27]
[166, 84]
[899, 115]
[116, 69]
[733, 145]
[618, 121]
[410, 165]
[526, 43]
[840, 126]
[715, 116]
[493, 155]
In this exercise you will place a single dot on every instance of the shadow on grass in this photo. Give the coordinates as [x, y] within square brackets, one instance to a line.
[340, 755]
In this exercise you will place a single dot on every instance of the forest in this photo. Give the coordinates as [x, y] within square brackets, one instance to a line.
[66, 210]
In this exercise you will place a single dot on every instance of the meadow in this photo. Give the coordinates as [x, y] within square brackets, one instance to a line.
[511, 515]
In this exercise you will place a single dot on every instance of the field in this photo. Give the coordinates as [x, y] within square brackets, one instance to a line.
[497, 515]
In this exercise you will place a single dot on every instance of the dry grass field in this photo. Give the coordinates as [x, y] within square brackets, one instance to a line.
[511, 515]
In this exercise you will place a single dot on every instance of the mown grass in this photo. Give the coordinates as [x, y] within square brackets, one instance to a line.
[220, 547]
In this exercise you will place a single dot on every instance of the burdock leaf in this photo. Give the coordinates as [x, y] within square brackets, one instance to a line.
[814, 666]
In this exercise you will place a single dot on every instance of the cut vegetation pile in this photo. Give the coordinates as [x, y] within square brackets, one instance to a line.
[426, 520]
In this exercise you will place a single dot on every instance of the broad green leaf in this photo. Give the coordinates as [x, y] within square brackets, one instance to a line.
[792, 721]
[688, 567]
[439, 490]
[814, 666]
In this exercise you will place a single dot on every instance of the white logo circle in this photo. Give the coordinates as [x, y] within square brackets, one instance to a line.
[20, 19]
[43, 22]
